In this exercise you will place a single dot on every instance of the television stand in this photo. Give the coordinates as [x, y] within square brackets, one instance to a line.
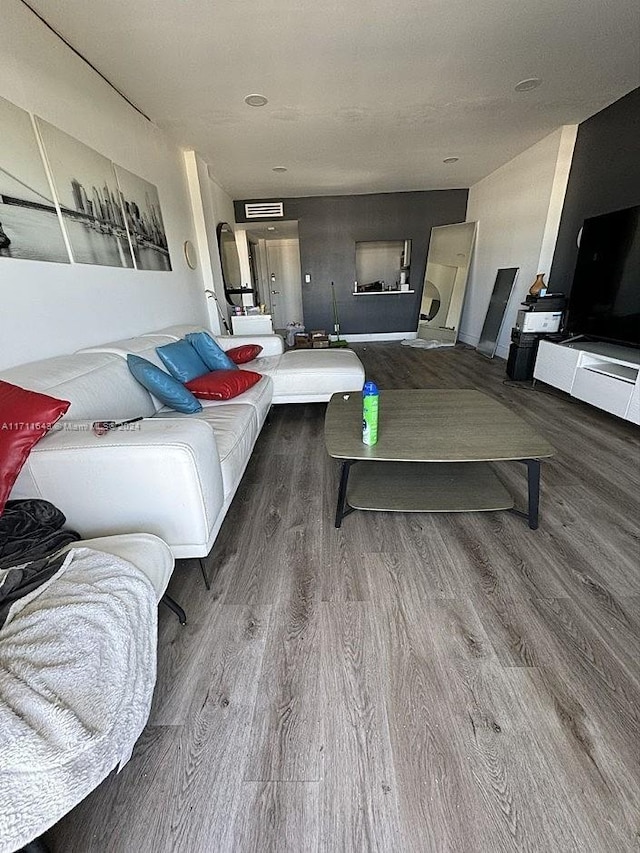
[605, 375]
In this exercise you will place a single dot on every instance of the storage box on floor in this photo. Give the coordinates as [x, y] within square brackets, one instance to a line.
[314, 340]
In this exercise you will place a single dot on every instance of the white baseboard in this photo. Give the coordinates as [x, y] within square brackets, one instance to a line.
[381, 336]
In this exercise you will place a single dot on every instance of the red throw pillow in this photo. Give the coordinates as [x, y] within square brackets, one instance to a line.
[25, 417]
[245, 353]
[222, 384]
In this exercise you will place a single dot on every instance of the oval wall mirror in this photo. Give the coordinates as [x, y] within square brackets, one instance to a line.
[230, 262]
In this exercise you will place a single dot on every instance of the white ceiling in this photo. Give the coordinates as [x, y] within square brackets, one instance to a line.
[364, 95]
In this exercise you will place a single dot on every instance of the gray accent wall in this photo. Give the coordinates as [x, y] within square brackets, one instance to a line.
[329, 228]
[604, 176]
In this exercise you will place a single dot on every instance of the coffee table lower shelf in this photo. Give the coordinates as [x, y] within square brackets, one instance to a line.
[426, 487]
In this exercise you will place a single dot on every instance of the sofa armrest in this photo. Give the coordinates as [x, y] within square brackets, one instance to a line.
[146, 552]
[271, 344]
[159, 476]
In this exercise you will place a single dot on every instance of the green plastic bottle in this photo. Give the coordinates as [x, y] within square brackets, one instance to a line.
[370, 397]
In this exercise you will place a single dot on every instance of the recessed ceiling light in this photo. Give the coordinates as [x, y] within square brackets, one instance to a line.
[450, 159]
[528, 84]
[256, 100]
[271, 227]
[279, 169]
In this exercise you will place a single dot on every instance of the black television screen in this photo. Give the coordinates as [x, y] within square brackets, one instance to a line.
[604, 302]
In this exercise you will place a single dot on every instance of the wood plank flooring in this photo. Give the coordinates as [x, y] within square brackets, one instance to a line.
[443, 683]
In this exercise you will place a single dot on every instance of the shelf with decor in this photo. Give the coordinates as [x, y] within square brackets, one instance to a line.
[382, 267]
[380, 292]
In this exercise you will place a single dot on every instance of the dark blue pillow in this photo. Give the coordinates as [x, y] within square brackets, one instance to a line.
[167, 389]
[213, 356]
[182, 361]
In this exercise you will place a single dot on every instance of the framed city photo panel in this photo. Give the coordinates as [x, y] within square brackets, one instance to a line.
[87, 191]
[141, 205]
[29, 223]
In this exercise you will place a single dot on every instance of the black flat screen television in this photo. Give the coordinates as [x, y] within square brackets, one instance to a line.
[604, 302]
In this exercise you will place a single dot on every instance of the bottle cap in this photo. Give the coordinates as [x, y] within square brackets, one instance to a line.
[370, 388]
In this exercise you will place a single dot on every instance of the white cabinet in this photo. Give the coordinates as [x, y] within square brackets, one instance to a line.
[556, 365]
[252, 324]
[604, 375]
[633, 411]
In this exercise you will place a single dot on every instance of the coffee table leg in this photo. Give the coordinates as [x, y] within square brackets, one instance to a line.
[533, 482]
[342, 492]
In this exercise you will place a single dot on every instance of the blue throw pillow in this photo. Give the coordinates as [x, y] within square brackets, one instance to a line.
[167, 389]
[213, 356]
[182, 361]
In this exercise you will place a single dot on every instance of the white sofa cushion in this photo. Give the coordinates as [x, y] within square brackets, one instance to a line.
[236, 429]
[310, 376]
[143, 346]
[98, 385]
[271, 344]
[259, 396]
[266, 365]
[236, 424]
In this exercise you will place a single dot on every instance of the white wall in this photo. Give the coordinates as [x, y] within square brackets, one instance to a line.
[221, 210]
[45, 308]
[223, 206]
[518, 210]
[209, 203]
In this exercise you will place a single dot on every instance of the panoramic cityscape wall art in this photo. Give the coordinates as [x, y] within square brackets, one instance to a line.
[52, 187]
[29, 223]
[87, 192]
[144, 220]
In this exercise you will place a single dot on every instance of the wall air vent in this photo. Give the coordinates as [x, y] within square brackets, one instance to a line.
[264, 210]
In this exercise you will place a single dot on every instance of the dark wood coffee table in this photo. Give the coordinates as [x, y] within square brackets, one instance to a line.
[433, 453]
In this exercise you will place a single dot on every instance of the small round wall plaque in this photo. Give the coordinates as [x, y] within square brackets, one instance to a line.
[190, 254]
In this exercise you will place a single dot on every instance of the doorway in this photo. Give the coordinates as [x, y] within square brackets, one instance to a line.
[276, 250]
[285, 287]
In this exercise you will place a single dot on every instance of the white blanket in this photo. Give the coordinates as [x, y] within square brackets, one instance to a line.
[77, 672]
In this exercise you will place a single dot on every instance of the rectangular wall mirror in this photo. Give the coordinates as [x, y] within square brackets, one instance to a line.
[445, 281]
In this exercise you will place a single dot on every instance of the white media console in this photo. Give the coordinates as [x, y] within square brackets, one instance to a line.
[605, 375]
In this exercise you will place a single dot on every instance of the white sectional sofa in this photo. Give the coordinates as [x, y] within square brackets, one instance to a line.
[172, 475]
